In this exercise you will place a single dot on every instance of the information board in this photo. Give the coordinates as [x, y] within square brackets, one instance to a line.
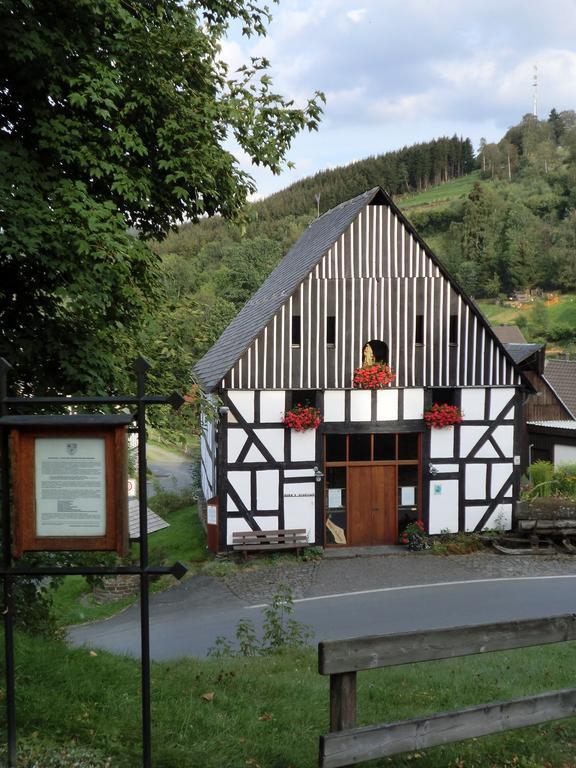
[70, 487]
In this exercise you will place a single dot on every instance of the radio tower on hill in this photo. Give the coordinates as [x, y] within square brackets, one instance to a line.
[535, 93]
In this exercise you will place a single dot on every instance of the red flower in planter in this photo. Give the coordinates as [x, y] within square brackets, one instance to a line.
[302, 417]
[373, 376]
[442, 415]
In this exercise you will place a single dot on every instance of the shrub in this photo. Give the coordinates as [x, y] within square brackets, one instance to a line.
[541, 474]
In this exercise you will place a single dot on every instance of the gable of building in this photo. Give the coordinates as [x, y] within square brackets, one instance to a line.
[360, 273]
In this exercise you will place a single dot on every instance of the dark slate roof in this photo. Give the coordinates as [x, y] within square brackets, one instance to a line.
[509, 334]
[561, 375]
[276, 289]
[521, 352]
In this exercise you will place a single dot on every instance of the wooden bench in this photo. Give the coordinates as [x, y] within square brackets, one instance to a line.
[248, 541]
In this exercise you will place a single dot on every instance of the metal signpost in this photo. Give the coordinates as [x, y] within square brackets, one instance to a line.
[10, 571]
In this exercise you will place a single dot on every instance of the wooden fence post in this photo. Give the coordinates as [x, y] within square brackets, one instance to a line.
[342, 701]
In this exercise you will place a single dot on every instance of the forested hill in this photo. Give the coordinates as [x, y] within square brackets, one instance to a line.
[509, 226]
[409, 169]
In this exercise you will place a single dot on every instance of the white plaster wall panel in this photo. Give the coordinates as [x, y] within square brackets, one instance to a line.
[303, 445]
[234, 525]
[230, 505]
[272, 406]
[504, 437]
[443, 506]
[267, 523]
[475, 487]
[500, 474]
[300, 513]
[386, 404]
[501, 518]
[273, 439]
[240, 481]
[441, 467]
[442, 443]
[499, 398]
[267, 489]
[236, 440]
[299, 490]
[231, 418]
[298, 473]
[487, 451]
[564, 454]
[472, 403]
[413, 403]
[254, 455]
[360, 405]
[473, 515]
[469, 436]
[244, 401]
[334, 405]
[206, 488]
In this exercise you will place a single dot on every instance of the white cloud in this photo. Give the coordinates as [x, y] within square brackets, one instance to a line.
[356, 15]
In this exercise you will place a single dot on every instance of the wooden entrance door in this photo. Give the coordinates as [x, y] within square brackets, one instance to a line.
[372, 515]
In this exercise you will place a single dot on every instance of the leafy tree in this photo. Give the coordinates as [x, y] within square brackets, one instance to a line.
[113, 115]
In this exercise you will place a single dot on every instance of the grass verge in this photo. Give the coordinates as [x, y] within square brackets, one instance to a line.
[268, 712]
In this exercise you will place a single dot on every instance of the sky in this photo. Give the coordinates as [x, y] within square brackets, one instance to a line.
[397, 72]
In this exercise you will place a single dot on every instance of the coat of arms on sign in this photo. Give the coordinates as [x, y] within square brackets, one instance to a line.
[71, 448]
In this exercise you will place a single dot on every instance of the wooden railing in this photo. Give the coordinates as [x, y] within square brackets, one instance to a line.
[342, 659]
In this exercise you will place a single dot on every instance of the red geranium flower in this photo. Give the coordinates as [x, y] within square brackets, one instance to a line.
[302, 417]
[374, 376]
[442, 415]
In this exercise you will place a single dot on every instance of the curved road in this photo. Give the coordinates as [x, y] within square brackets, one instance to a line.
[186, 620]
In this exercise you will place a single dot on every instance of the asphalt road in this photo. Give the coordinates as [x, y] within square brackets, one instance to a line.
[185, 621]
[173, 471]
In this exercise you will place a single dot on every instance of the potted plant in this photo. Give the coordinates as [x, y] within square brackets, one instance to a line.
[442, 415]
[414, 537]
[373, 376]
[302, 418]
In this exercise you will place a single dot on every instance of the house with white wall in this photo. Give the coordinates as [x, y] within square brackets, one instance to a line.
[360, 287]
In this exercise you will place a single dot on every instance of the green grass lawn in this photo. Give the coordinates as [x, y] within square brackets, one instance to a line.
[269, 712]
[441, 193]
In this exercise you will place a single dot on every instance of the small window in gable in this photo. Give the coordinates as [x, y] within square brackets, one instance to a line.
[296, 330]
[331, 330]
[375, 351]
[302, 397]
[453, 331]
[419, 330]
[444, 396]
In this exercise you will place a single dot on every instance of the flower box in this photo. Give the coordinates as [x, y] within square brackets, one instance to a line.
[302, 418]
[442, 415]
[373, 376]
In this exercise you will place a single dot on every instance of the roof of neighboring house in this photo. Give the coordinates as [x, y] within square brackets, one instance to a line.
[509, 334]
[521, 352]
[277, 288]
[554, 424]
[155, 522]
[561, 375]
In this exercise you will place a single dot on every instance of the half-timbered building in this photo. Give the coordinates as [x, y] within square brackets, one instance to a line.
[359, 284]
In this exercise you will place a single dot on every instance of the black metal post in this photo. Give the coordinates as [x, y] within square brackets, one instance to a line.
[7, 610]
[141, 366]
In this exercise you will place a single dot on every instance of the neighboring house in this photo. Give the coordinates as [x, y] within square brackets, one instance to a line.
[552, 433]
[360, 283]
[561, 375]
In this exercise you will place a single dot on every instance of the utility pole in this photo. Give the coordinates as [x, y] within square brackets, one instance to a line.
[535, 93]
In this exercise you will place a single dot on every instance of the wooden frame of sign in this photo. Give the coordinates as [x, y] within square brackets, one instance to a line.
[70, 483]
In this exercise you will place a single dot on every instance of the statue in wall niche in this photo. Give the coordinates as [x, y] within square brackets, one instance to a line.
[369, 358]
